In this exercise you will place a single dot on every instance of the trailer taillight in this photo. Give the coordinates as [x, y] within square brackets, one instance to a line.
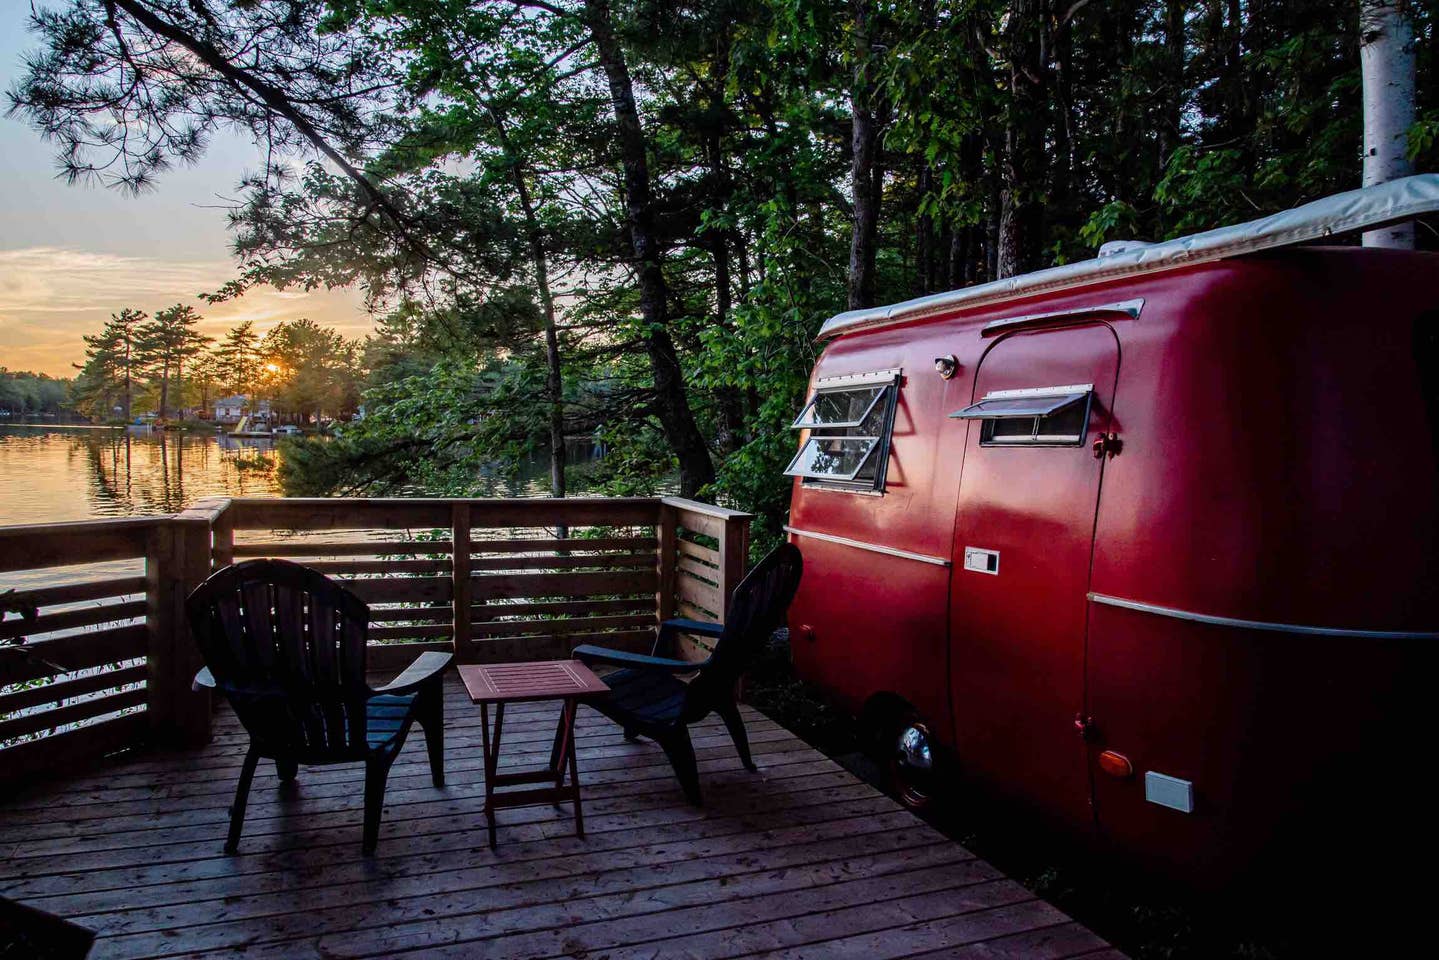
[1116, 764]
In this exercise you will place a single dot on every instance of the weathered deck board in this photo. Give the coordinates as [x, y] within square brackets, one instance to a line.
[800, 860]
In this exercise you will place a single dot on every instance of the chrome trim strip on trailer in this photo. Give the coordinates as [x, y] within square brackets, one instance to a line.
[871, 547]
[859, 379]
[1261, 624]
[1365, 209]
[1131, 308]
[1038, 391]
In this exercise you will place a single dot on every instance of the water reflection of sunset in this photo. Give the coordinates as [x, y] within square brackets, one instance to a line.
[49, 474]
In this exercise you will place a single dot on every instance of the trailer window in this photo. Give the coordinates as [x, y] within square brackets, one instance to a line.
[849, 420]
[1036, 416]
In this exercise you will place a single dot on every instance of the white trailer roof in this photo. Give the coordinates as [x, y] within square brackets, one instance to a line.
[1342, 213]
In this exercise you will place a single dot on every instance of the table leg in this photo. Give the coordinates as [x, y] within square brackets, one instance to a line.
[492, 758]
[571, 708]
[563, 731]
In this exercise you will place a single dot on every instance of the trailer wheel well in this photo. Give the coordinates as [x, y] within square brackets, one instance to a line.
[880, 712]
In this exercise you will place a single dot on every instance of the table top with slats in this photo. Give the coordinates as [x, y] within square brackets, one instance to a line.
[532, 680]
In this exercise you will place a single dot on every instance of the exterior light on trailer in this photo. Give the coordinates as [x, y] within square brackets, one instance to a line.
[947, 366]
[1116, 764]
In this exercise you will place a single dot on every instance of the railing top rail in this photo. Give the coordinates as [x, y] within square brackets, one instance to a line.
[21, 531]
[706, 509]
[380, 502]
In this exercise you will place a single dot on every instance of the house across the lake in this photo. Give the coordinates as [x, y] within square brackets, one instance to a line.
[231, 409]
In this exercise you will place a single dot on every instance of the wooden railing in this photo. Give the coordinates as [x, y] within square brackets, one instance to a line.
[108, 662]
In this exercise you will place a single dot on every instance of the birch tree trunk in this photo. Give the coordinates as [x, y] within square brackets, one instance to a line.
[1386, 58]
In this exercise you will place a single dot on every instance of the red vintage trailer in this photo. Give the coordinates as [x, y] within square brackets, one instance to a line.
[1146, 545]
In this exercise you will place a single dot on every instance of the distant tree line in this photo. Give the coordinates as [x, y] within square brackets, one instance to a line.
[162, 364]
[627, 218]
[24, 394]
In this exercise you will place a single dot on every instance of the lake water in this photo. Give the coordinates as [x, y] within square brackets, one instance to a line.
[54, 473]
[50, 473]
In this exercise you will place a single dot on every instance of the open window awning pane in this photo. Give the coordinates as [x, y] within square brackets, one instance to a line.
[839, 409]
[1026, 406]
[832, 458]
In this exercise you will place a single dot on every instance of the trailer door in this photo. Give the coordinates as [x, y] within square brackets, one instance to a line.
[1024, 533]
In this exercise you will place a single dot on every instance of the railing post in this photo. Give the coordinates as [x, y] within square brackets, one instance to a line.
[666, 558]
[461, 585]
[733, 558]
[177, 559]
[160, 623]
[222, 530]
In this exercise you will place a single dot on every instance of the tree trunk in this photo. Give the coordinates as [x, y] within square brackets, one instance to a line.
[1021, 214]
[1063, 178]
[671, 403]
[727, 398]
[865, 172]
[1386, 57]
[554, 373]
[129, 388]
[164, 387]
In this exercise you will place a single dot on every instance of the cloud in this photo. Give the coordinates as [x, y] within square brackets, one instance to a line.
[51, 296]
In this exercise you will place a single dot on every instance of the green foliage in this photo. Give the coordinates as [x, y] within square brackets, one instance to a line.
[469, 166]
[24, 394]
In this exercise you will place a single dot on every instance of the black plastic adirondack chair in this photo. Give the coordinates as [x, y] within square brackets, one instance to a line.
[286, 645]
[648, 698]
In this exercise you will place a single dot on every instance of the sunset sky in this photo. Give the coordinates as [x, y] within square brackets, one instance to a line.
[72, 255]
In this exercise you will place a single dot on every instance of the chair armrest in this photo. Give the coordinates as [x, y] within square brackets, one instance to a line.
[681, 625]
[204, 680]
[589, 654]
[426, 669]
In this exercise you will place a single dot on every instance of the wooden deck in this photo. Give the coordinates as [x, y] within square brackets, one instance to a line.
[799, 860]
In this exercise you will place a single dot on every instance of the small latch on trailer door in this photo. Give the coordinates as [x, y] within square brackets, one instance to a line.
[1107, 444]
[1084, 726]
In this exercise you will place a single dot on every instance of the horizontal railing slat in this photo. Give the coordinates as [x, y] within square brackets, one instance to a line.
[62, 751]
[401, 589]
[692, 612]
[691, 566]
[574, 545]
[516, 628]
[416, 630]
[78, 652]
[501, 586]
[689, 548]
[72, 713]
[541, 647]
[699, 592]
[563, 608]
[334, 568]
[34, 546]
[80, 592]
[64, 689]
[348, 548]
[72, 619]
[398, 513]
[397, 614]
[552, 562]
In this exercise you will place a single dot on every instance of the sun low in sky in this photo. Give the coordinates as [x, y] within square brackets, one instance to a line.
[71, 255]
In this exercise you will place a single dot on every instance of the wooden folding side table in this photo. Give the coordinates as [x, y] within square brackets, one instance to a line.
[502, 683]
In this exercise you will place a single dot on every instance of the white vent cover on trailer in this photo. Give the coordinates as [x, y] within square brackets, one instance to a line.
[1356, 210]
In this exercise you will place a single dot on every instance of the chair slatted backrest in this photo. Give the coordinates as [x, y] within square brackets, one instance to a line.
[757, 609]
[287, 646]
